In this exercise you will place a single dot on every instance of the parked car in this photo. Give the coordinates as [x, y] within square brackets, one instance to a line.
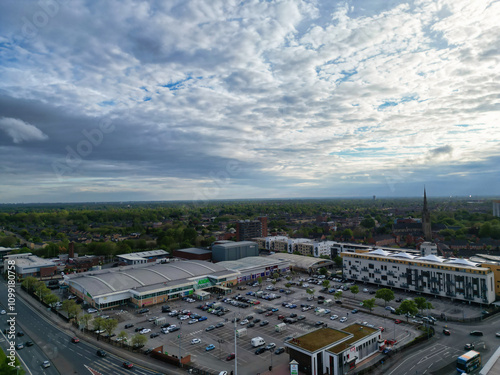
[210, 347]
[210, 328]
[476, 333]
[45, 364]
[143, 311]
[355, 311]
[130, 325]
[279, 350]
[195, 341]
[154, 334]
[270, 346]
[260, 351]
[397, 321]
[219, 325]
[144, 331]
[264, 323]
[343, 319]
[230, 357]
[333, 317]
[319, 323]
[91, 310]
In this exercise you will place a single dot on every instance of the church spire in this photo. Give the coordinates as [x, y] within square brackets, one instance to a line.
[426, 220]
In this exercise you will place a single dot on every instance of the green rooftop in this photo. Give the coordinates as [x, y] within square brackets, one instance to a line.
[358, 331]
[318, 339]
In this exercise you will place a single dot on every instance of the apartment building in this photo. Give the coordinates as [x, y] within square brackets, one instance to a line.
[459, 279]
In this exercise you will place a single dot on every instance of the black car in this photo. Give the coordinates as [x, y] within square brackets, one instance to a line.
[301, 317]
[264, 323]
[174, 329]
[20, 333]
[476, 333]
[293, 315]
[319, 323]
[139, 329]
[219, 325]
[250, 325]
[154, 334]
[28, 343]
[338, 302]
[256, 320]
[166, 325]
[355, 311]
[279, 350]
[143, 311]
[130, 325]
[148, 351]
[165, 309]
[101, 353]
[260, 351]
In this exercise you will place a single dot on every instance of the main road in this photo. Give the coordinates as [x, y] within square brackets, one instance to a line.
[54, 345]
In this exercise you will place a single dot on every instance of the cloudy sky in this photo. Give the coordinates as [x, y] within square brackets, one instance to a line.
[179, 99]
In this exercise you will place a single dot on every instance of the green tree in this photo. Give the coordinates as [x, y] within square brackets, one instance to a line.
[288, 285]
[386, 294]
[8, 241]
[109, 325]
[407, 307]
[338, 261]
[325, 284]
[29, 283]
[354, 290]
[323, 271]
[138, 341]
[122, 337]
[86, 318]
[368, 223]
[98, 324]
[422, 304]
[41, 290]
[337, 295]
[276, 275]
[310, 292]
[347, 233]
[51, 299]
[259, 280]
[369, 303]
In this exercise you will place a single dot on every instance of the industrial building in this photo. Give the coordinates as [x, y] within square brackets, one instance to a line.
[333, 351]
[28, 264]
[302, 263]
[193, 253]
[141, 257]
[234, 250]
[459, 279]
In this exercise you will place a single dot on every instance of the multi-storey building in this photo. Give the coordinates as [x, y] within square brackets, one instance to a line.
[454, 278]
[249, 229]
[496, 208]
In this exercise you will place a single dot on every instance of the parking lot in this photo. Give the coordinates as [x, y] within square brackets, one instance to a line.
[299, 319]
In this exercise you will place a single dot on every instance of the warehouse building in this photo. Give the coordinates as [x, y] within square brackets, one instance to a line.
[459, 279]
[28, 264]
[193, 253]
[234, 250]
[302, 263]
[251, 268]
[154, 283]
[141, 257]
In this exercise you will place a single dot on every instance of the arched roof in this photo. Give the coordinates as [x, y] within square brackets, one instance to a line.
[379, 252]
[462, 262]
[431, 258]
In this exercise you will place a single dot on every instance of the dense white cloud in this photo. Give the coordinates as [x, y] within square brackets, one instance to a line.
[309, 98]
[20, 131]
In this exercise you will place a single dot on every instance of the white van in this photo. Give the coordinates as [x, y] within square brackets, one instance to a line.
[257, 341]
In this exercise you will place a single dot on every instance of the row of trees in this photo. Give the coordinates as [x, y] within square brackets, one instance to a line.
[75, 312]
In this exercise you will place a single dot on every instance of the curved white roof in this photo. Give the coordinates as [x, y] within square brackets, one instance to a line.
[404, 255]
[432, 258]
[462, 262]
[379, 252]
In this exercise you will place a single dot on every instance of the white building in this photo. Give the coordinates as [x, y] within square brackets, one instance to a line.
[428, 248]
[454, 278]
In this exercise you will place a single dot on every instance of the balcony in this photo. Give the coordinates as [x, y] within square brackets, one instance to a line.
[434, 291]
[365, 269]
[390, 273]
[469, 298]
[403, 275]
[450, 294]
[391, 283]
[365, 278]
[419, 288]
[378, 281]
[355, 277]
[377, 271]
[404, 285]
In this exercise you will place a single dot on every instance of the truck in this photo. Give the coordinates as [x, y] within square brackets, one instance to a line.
[280, 327]
[257, 341]
[160, 321]
[320, 312]
[328, 302]
[241, 332]
[259, 293]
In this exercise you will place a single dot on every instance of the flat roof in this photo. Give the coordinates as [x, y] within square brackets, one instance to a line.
[143, 254]
[302, 261]
[358, 331]
[236, 244]
[251, 262]
[318, 339]
[194, 250]
[32, 261]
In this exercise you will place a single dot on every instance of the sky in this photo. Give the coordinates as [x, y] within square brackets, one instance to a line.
[200, 100]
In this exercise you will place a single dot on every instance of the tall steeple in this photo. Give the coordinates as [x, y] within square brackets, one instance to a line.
[426, 220]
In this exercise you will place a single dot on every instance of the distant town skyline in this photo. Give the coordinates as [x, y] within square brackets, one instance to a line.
[191, 100]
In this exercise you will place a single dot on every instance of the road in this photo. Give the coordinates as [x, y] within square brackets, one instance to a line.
[56, 346]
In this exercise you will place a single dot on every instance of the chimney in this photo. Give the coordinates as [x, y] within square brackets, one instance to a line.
[71, 250]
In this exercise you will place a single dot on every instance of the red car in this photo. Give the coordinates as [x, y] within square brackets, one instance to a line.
[397, 321]
[230, 357]
[382, 329]
[75, 340]
[127, 365]
[446, 332]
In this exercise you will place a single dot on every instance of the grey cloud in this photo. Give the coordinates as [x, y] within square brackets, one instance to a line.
[21, 131]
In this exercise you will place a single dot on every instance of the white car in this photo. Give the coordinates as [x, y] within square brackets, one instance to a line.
[99, 331]
[45, 364]
[365, 290]
[192, 321]
[145, 330]
[184, 317]
[343, 319]
[497, 334]
[71, 297]
[244, 321]
[91, 310]
[195, 341]
[333, 317]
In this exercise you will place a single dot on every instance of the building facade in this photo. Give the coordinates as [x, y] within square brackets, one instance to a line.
[234, 250]
[28, 264]
[496, 208]
[459, 279]
[248, 229]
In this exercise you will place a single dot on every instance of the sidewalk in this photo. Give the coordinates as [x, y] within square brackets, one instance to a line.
[69, 329]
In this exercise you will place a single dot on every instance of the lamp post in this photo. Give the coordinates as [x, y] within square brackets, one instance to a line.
[235, 348]
[180, 335]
